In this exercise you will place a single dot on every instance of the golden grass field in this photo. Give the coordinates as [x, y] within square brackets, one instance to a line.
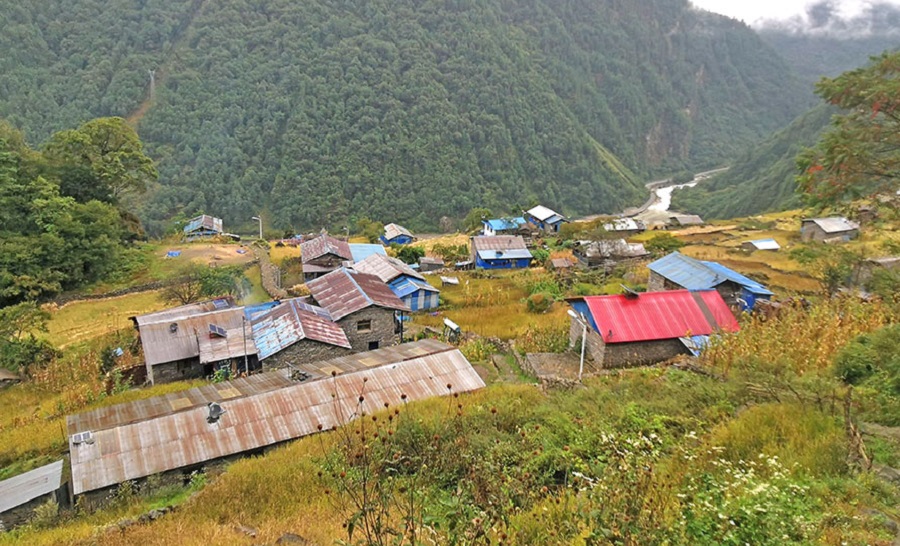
[87, 319]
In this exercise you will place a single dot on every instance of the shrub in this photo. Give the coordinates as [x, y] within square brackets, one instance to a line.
[663, 243]
[539, 302]
[540, 256]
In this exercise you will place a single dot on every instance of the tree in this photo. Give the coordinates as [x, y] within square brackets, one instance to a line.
[196, 282]
[103, 159]
[473, 220]
[410, 254]
[19, 348]
[860, 155]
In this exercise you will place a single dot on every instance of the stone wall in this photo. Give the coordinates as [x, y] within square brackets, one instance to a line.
[594, 347]
[176, 371]
[381, 331]
[656, 283]
[304, 351]
[642, 353]
[24, 512]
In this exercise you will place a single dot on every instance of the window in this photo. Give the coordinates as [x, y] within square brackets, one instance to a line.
[373, 345]
[364, 326]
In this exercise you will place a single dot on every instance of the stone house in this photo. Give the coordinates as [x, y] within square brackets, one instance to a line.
[361, 304]
[607, 253]
[22, 494]
[293, 332]
[836, 229]
[322, 255]
[639, 329]
[677, 271]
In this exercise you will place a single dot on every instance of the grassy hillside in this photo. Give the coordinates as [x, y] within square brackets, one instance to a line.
[409, 111]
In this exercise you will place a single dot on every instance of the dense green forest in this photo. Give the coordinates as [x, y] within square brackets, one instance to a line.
[763, 178]
[315, 112]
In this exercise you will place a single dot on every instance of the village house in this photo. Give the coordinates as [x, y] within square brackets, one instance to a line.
[684, 220]
[677, 271]
[173, 434]
[864, 272]
[607, 253]
[408, 285]
[292, 332]
[361, 251]
[545, 219]
[625, 227]
[836, 229]
[322, 255]
[639, 329]
[195, 340]
[500, 252]
[202, 227]
[361, 304]
[22, 494]
[502, 226]
[428, 264]
[395, 234]
[760, 244]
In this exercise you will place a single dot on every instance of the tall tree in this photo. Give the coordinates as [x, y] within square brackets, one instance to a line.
[860, 155]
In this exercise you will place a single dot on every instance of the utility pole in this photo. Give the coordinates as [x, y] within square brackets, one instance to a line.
[259, 219]
[152, 83]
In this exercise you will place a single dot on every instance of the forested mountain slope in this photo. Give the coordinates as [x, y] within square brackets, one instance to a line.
[407, 110]
[762, 179]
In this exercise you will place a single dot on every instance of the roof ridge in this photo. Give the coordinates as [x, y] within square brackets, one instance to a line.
[356, 284]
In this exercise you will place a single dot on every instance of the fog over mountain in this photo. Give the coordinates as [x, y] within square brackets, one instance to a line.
[824, 18]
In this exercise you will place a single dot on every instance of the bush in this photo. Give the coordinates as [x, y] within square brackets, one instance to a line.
[539, 302]
[663, 243]
[855, 362]
[540, 256]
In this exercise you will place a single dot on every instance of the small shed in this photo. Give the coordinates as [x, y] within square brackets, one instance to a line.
[677, 271]
[502, 226]
[395, 234]
[500, 252]
[428, 264]
[562, 264]
[835, 229]
[20, 495]
[760, 244]
[685, 220]
[546, 219]
[203, 226]
[322, 255]
[639, 329]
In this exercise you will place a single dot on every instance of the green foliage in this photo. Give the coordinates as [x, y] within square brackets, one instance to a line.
[860, 154]
[196, 281]
[663, 243]
[540, 255]
[319, 112]
[539, 302]
[19, 348]
[451, 253]
[872, 361]
[369, 229]
[475, 217]
[409, 254]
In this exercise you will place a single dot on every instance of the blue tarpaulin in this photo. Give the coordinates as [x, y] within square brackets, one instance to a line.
[173, 254]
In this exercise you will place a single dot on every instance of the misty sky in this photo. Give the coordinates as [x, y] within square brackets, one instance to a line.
[753, 11]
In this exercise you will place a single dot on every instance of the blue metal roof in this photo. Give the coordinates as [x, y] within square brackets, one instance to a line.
[502, 224]
[361, 251]
[404, 286]
[512, 254]
[700, 275]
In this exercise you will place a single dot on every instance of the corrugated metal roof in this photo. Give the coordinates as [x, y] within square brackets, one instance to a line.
[20, 489]
[504, 254]
[361, 251]
[701, 275]
[561, 263]
[185, 438]
[888, 262]
[765, 244]
[834, 224]
[544, 214]
[506, 243]
[184, 311]
[660, 315]
[687, 219]
[163, 342]
[322, 245]
[386, 268]
[404, 286]
[394, 230]
[238, 342]
[290, 322]
[623, 224]
[345, 291]
[204, 222]
[609, 248]
[431, 261]
[503, 224]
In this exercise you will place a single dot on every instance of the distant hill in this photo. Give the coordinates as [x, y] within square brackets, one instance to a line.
[320, 111]
[763, 179]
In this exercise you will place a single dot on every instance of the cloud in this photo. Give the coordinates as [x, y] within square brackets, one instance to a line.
[824, 18]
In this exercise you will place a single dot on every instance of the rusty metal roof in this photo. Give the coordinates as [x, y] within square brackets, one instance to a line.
[612, 248]
[386, 268]
[561, 263]
[238, 342]
[322, 245]
[178, 338]
[184, 438]
[498, 242]
[345, 291]
[20, 489]
[834, 224]
[184, 311]
[204, 221]
[290, 322]
[395, 230]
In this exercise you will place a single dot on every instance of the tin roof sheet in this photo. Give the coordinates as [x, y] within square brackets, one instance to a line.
[386, 268]
[888, 262]
[404, 286]
[488, 255]
[544, 214]
[834, 224]
[184, 311]
[322, 245]
[561, 263]
[290, 322]
[179, 338]
[204, 222]
[687, 219]
[185, 438]
[361, 251]
[609, 248]
[506, 243]
[765, 244]
[345, 291]
[395, 230]
[623, 224]
[429, 260]
[20, 489]
[660, 315]
[504, 224]
[238, 342]
[701, 275]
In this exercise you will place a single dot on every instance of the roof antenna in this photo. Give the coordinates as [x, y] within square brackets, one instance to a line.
[215, 412]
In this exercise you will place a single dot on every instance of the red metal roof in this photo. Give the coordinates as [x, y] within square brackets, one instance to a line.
[660, 315]
[345, 291]
[322, 245]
